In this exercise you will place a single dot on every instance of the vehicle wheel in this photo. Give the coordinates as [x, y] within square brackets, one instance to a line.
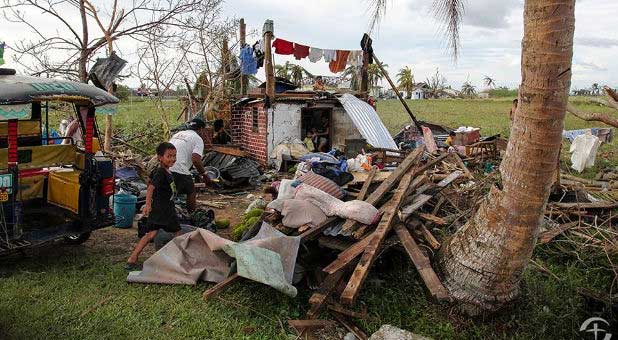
[77, 239]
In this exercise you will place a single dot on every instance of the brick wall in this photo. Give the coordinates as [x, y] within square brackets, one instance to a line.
[249, 130]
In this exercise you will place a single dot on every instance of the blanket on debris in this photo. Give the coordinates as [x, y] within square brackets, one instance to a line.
[268, 258]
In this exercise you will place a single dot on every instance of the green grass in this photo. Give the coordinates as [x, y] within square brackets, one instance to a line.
[81, 293]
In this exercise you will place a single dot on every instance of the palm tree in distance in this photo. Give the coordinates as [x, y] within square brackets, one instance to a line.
[468, 89]
[351, 73]
[375, 74]
[405, 78]
[489, 82]
[283, 71]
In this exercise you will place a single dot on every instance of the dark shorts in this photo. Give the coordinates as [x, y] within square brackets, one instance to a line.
[184, 183]
[170, 228]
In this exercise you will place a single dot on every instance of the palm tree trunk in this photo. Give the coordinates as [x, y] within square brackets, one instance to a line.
[482, 264]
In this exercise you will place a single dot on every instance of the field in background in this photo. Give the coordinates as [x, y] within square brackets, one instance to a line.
[491, 115]
[80, 292]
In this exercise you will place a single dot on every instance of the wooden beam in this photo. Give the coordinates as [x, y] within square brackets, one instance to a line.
[228, 150]
[421, 262]
[431, 218]
[269, 68]
[463, 167]
[243, 37]
[348, 255]
[327, 287]
[419, 201]
[214, 290]
[339, 309]
[387, 185]
[405, 105]
[367, 184]
[350, 326]
[301, 324]
[362, 269]
[547, 236]
[428, 236]
[317, 230]
[364, 85]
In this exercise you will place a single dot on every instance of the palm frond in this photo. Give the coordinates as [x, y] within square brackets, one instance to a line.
[377, 8]
[451, 13]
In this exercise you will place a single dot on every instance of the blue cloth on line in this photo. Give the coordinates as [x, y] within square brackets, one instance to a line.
[248, 64]
[571, 134]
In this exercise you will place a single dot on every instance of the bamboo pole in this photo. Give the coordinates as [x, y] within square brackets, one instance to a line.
[268, 59]
[243, 37]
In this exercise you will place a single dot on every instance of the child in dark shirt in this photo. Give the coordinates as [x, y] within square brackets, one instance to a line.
[159, 206]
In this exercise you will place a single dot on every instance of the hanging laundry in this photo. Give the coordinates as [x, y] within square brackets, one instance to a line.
[259, 45]
[338, 65]
[283, 46]
[315, 54]
[330, 55]
[248, 65]
[258, 52]
[300, 51]
[355, 58]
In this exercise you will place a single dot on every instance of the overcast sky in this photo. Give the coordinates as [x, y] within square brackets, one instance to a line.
[409, 36]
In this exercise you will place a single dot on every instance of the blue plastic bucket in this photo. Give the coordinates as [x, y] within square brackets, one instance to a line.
[124, 210]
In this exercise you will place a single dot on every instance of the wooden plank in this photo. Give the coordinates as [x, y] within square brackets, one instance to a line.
[300, 324]
[336, 243]
[449, 179]
[549, 235]
[388, 184]
[428, 236]
[431, 218]
[214, 290]
[462, 166]
[417, 203]
[317, 230]
[228, 150]
[350, 326]
[592, 205]
[339, 309]
[421, 262]
[327, 287]
[348, 255]
[362, 269]
[363, 192]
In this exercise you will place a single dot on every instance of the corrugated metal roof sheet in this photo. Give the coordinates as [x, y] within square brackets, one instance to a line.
[368, 122]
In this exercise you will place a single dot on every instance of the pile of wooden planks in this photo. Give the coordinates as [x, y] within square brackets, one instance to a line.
[400, 198]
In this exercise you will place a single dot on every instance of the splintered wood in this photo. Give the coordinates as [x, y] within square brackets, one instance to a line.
[421, 262]
[362, 269]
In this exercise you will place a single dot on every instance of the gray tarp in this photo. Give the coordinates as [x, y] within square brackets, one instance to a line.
[268, 258]
[368, 122]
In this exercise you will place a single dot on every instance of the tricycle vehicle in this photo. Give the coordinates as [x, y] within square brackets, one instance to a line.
[51, 188]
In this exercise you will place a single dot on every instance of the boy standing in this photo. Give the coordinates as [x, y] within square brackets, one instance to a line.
[159, 205]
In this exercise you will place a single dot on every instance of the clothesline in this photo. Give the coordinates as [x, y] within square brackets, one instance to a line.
[337, 59]
[252, 57]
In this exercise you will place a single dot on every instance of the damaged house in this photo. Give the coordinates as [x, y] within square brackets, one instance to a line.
[259, 125]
